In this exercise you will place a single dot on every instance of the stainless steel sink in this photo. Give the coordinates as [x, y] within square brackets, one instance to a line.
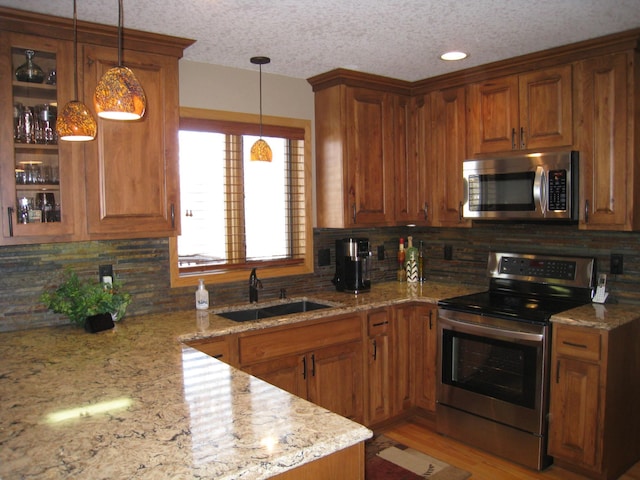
[278, 310]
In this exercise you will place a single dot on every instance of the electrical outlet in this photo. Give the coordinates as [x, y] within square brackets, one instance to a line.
[381, 252]
[448, 252]
[105, 271]
[324, 257]
[615, 263]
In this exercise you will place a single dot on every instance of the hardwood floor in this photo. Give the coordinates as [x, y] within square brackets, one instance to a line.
[483, 466]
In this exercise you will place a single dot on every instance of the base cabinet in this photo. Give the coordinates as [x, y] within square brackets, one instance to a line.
[594, 425]
[305, 361]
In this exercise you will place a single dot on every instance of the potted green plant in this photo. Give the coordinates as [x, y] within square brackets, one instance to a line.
[79, 300]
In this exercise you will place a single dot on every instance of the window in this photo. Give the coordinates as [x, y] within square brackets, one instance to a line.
[237, 214]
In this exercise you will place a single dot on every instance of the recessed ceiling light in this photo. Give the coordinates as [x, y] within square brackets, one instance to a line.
[453, 56]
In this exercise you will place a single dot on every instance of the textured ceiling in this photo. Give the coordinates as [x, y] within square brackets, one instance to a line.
[396, 38]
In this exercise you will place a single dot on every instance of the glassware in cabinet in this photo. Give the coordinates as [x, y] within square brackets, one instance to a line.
[35, 188]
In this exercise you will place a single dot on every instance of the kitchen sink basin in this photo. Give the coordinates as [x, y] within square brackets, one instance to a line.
[279, 310]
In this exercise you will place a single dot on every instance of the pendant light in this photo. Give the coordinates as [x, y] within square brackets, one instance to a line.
[261, 151]
[75, 123]
[119, 95]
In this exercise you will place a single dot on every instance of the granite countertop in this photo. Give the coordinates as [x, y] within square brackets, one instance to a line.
[135, 402]
[595, 315]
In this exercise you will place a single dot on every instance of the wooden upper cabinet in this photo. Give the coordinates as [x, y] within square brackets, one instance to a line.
[521, 112]
[123, 184]
[605, 129]
[448, 152]
[370, 152]
[33, 164]
[363, 164]
[132, 166]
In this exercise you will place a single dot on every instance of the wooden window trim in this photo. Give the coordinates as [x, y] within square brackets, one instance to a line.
[276, 268]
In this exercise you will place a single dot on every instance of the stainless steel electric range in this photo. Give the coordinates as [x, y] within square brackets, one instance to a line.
[494, 353]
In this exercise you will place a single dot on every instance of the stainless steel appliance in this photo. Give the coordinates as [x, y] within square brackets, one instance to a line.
[494, 353]
[353, 265]
[540, 186]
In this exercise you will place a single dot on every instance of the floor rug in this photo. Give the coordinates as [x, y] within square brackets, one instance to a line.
[387, 459]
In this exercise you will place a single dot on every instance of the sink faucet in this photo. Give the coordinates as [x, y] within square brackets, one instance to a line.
[254, 284]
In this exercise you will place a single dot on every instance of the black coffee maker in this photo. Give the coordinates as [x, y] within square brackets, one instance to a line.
[353, 265]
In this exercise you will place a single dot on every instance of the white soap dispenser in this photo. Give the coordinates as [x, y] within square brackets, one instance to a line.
[202, 296]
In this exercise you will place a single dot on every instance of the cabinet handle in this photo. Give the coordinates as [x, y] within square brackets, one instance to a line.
[353, 212]
[460, 212]
[173, 216]
[220, 355]
[313, 365]
[513, 139]
[375, 349]
[385, 322]
[430, 319]
[558, 371]
[571, 344]
[10, 215]
[426, 210]
[522, 142]
[304, 367]
[586, 211]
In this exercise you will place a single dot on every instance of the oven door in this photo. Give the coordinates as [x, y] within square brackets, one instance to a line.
[493, 368]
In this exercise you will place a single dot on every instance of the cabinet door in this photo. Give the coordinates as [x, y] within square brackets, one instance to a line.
[335, 380]
[404, 367]
[369, 157]
[493, 115]
[449, 148]
[421, 199]
[132, 166]
[288, 373]
[426, 356]
[574, 401]
[603, 131]
[380, 375]
[411, 169]
[546, 116]
[38, 175]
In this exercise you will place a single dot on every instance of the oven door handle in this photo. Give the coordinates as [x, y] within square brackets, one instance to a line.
[478, 329]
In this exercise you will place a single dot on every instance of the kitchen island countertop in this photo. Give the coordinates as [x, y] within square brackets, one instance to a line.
[135, 402]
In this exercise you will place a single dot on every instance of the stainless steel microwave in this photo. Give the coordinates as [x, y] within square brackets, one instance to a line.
[542, 186]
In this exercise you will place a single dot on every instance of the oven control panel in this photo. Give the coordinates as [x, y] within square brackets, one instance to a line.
[544, 269]
[528, 267]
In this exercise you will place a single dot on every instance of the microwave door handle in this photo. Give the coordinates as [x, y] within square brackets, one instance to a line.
[540, 189]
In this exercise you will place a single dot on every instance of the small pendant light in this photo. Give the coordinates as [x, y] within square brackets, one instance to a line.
[119, 95]
[75, 123]
[261, 151]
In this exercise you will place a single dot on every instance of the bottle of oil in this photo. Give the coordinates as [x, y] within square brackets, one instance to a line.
[421, 263]
[401, 257]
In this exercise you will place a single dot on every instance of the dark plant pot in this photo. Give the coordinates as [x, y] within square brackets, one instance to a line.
[98, 323]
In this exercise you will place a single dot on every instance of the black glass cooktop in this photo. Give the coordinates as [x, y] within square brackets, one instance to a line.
[513, 306]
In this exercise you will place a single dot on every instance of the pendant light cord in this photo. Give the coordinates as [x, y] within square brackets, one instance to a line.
[120, 21]
[260, 100]
[75, 51]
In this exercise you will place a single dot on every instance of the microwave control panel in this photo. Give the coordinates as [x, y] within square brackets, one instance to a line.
[558, 190]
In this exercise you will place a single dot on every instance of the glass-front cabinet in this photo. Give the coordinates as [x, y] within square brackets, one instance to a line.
[36, 176]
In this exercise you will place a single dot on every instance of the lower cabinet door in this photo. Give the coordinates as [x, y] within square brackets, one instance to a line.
[573, 426]
[287, 373]
[334, 379]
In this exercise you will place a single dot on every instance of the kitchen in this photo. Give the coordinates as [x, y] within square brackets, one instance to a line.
[143, 264]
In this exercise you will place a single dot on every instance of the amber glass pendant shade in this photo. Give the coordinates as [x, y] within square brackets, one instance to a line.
[119, 95]
[76, 123]
[261, 151]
